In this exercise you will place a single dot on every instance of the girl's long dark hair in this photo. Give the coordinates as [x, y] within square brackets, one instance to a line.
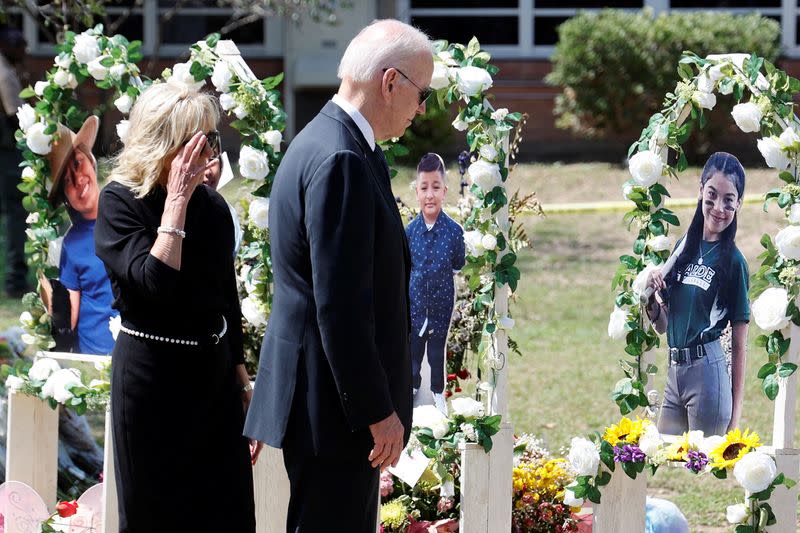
[730, 167]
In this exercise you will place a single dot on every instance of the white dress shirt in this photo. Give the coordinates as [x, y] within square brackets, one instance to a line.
[358, 118]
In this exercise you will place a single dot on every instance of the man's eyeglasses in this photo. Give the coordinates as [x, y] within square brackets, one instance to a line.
[213, 142]
[424, 94]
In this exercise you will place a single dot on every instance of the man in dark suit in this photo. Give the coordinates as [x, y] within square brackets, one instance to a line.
[334, 383]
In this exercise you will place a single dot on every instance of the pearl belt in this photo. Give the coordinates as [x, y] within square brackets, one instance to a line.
[215, 337]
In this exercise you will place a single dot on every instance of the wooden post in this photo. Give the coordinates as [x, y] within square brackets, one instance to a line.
[501, 470]
[622, 507]
[783, 500]
[32, 445]
[271, 491]
[474, 490]
[110, 504]
[785, 416]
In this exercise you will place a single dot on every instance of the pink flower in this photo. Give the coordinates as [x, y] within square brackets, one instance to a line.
[387, 483]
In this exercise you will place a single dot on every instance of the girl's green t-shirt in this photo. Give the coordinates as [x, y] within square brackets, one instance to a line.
[696, 315]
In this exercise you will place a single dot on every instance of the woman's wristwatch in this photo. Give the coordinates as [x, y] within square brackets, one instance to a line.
[248, 387]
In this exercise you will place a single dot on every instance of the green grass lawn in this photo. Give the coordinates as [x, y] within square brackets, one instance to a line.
[560, 386]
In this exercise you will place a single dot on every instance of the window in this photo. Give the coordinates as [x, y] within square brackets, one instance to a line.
[529, 28]
[154, 22]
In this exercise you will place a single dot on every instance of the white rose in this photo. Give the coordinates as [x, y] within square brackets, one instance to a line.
[472, 81]
[788, 242]
[639, 284]
[63, 60]
[253, 164]
[485, 175]
[460, 125]
[253, 313]
[473, 239]
[488, 152]
[28, 339]
[769, 309]
[32, 218]
[222, 76]
[274, 138]
[259, 212]
[37, 140]
[86, 48]
[645, 167]
[789, 139]
[616, 324]
[469, 432]
[570, 500]
[440, 78]
[117, 71]
[710, 443]
[705, 83]
[659, 243]
[124, 103]
[737, 514]
[182, 75]
[500, 114]
[467, 407]
[794, 214]
[447, 58]
[62, 78]
[115, 325]
[122, 129]
[755, 471]
[747, 116]
[227, 102]
[440, 428]
[26, 116]
[773, 154]
[98, 383]
[715, 73]
[14, 383]
[425, 416]
[506, 322]
[704, 99]
[96, 68]
[489, 242]
[695, 439]
[54, 252]
[650, 442]
[59, 383]
[40, 86]
[25, 317]
[583, 457]
[240, 112]
[42, 368]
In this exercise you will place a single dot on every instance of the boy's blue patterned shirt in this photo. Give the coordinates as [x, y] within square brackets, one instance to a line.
[435, 254]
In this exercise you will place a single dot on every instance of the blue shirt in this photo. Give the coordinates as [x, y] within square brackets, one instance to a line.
[435, 254]
[81, 270]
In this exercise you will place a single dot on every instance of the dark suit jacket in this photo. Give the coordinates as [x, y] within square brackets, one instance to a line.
[335, 355]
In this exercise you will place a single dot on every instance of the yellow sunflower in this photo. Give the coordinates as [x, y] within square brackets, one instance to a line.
[626, 431]
[735, 446]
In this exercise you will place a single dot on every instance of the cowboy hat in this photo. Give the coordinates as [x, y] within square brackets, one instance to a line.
[62, 150]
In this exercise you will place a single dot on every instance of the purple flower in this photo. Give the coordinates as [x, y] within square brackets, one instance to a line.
[630, 453]
[696, 461]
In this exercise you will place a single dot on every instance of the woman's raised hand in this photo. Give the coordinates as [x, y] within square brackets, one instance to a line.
[656, 280]
[187, 169]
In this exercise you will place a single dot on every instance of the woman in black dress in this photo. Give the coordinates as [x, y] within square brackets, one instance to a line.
[178, 379]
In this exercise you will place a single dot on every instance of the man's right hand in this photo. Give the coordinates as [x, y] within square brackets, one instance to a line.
[388, 437]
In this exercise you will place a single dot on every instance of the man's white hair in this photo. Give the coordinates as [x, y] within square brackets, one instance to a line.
[383, 44]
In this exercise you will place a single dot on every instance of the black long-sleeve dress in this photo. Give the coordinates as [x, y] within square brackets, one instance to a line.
[182, 463]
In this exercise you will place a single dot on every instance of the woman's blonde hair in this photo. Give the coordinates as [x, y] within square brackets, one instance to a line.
[164, 117]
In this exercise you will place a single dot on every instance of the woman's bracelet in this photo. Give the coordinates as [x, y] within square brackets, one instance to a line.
[172, 231]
